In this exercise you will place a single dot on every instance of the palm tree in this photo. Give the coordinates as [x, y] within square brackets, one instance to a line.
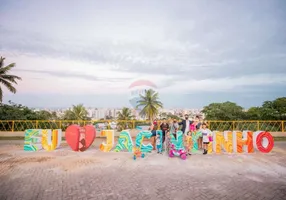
[6, 79]
[78, 112]
[123, 116]
[150, 103]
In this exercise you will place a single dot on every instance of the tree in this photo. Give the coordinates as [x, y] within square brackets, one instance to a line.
[279, 105]
[122, 117]
[253, 113]
[77, 112]
[13, 111]
[223, 111]
[7, 79]
[274, 110]
[267, 111]
[168, 116]
[46, 115]
[150, 103]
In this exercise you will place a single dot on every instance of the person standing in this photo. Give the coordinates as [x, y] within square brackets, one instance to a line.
[198, 124]
[186, 123]
[206, 134]
[174, 127]
[153, 128]
[165, 128]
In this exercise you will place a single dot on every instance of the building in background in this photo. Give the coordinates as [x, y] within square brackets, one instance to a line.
[111, 113]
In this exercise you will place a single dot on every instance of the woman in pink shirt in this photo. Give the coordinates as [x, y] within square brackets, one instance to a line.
[192, 127]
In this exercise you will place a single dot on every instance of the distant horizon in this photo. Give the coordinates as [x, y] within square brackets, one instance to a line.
[108, 102]
[105, 107]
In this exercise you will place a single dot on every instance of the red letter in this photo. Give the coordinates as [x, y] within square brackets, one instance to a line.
[80, 138]
[259, 142]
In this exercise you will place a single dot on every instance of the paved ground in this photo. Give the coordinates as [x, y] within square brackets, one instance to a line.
[64, 174]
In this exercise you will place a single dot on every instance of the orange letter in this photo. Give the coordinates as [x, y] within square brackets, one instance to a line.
[244, 144]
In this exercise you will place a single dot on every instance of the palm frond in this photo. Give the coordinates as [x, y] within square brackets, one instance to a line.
[1, 95]
[8, 85]
[1, 62]
[4, 70]
[7, 79]
[10, 78]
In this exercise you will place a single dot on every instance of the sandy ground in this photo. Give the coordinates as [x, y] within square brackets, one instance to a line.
[64, 174]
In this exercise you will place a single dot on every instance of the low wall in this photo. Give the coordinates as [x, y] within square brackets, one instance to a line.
[133, 133]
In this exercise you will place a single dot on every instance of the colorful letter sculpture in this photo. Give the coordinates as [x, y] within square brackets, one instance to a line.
[195, 137]
[178, 141]
[139, 141]
[222, 141]
[210, 147]
[124, 142]
[109, 134]
[228, 141]
[51, 139]
[80, 138]
[263, 141]
[245, 143]
[159, 146]
[33, 140]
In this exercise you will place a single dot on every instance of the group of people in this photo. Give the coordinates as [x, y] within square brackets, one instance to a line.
[187, 126]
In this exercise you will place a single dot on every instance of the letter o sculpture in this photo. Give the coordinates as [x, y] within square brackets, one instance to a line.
[259, 142]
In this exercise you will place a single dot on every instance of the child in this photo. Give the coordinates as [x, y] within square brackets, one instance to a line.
[158, 144]
[206, 134]
[168, 142]
[188, 144]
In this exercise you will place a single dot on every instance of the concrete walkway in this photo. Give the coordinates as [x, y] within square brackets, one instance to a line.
[64, 174]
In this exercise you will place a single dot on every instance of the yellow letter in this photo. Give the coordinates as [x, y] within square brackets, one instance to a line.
[223, 141]
[51, 139]
[109, 134]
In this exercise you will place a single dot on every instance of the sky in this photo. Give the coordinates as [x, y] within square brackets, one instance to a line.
[195, 52]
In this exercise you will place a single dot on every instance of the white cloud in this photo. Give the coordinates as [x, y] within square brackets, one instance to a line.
[60, 76]
[100, 47]
[224, 84]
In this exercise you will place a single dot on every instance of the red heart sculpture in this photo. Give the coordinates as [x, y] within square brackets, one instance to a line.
[74, 136]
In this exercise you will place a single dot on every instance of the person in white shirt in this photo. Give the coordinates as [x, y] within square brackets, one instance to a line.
[206, 134]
